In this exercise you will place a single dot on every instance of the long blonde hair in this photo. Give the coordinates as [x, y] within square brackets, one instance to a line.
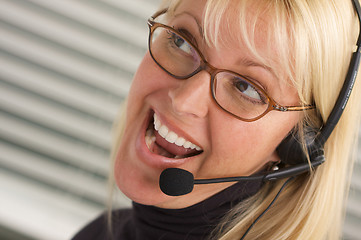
[320, 37]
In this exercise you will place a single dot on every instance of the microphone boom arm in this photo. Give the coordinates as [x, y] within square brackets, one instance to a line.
[282, 173]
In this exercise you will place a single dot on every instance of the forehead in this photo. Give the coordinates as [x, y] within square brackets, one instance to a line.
[247, 26]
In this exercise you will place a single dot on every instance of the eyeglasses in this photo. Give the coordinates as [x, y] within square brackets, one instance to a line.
[232, 92]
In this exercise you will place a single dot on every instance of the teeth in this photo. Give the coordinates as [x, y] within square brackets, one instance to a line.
[157, 123]
[187, 144]
[172, 137]
[163, 131]
[149, 138]
[180, 141]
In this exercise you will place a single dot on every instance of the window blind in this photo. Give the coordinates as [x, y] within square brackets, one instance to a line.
[65, 66]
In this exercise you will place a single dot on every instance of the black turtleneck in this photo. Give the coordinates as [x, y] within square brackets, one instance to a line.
[152, 223]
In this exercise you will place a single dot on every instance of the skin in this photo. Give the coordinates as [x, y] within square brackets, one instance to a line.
[230, 147]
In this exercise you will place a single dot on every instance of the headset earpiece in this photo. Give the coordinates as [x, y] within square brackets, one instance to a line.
[291, 151]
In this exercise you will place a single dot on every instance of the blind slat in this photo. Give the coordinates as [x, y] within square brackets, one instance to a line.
[51, 116]
[58, 88]
[43, 55]
[68, 150]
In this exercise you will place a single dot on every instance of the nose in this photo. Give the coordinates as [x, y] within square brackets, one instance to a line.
[191, 97]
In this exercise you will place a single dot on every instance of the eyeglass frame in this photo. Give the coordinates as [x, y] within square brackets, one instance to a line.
[213, 71]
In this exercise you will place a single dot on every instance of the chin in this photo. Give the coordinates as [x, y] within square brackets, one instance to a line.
[137, 185]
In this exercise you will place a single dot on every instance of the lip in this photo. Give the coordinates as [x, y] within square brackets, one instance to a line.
[154, 160]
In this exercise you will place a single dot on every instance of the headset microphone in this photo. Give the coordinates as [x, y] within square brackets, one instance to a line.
[176, 182]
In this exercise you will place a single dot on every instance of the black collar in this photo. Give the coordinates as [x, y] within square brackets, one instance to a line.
[194, 222]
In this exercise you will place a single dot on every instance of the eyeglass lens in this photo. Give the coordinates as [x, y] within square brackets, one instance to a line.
[231, 91]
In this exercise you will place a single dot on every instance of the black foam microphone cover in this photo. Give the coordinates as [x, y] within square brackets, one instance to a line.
[176, 182]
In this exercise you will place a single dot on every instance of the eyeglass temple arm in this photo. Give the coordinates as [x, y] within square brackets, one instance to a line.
[158, 13]
[293, 108]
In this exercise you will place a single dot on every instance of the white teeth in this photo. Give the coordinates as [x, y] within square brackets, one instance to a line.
[187, 144]
[172, 137]
[180, 141]
[157, 123]
[163, 131]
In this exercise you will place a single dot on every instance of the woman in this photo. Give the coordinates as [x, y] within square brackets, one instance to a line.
[223, 84]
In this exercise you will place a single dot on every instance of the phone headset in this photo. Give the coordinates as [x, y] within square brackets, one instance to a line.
[290, 150]
[176, 182]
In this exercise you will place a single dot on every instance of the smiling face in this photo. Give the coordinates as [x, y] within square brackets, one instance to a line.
[177, 123]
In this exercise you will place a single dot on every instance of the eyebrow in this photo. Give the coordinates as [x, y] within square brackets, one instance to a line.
[249, 63]
[200, 29]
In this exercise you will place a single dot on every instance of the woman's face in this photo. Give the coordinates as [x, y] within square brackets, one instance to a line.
[229, 147]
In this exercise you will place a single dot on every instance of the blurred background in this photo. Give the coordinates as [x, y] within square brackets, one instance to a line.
[65, 66]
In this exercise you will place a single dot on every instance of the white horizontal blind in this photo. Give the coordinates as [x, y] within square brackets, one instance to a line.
[64, 68]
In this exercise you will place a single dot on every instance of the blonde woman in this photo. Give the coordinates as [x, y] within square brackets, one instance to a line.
[239, 88]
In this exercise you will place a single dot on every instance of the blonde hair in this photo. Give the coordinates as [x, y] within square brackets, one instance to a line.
[320, 37]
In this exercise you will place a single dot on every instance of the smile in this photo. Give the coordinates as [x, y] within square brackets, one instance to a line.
[160, 140]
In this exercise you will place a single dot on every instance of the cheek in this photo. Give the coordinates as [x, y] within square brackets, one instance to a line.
[148, 78]
[142, 79]
[241, 148]
[146, 81]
